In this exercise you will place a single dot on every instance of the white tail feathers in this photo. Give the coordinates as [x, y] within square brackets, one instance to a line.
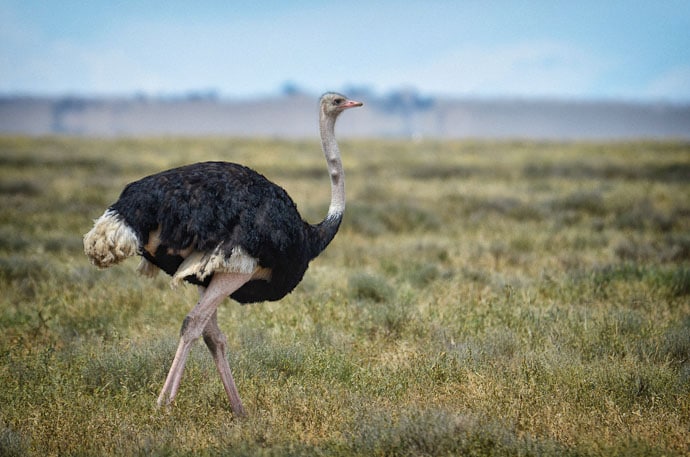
[110, 241]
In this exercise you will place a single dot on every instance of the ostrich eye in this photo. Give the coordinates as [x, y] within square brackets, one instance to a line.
[338, 101]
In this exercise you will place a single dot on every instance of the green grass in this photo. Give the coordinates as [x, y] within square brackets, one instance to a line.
[481, 298]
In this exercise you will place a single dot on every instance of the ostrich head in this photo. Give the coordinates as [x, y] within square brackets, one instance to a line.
[332, 104]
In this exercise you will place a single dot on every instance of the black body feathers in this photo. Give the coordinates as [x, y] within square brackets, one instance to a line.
[223, 205]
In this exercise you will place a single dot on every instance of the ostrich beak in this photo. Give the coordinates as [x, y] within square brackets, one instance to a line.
[352, 104]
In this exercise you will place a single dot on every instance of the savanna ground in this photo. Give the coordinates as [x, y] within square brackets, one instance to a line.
[481, 298]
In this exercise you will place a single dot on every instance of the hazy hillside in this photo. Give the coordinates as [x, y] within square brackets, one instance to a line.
[293, 115]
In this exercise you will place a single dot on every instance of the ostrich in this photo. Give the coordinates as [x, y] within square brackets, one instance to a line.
[225, 228]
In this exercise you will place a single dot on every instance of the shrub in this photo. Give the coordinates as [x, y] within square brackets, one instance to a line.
[368, 287]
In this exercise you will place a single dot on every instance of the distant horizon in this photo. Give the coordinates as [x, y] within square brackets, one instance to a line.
[210, 94]
[292, 114]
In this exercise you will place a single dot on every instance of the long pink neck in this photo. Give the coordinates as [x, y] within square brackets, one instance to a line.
[327, 228]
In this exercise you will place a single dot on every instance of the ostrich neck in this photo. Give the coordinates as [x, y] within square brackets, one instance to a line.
[327, 229]
[335, 167]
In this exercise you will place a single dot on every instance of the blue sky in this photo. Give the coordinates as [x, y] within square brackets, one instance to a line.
[587, 49]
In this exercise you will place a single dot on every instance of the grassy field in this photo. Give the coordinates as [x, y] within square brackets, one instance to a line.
[481, 298]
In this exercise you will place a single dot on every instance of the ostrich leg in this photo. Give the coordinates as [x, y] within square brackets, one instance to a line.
[222, 285]
[217, 343]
